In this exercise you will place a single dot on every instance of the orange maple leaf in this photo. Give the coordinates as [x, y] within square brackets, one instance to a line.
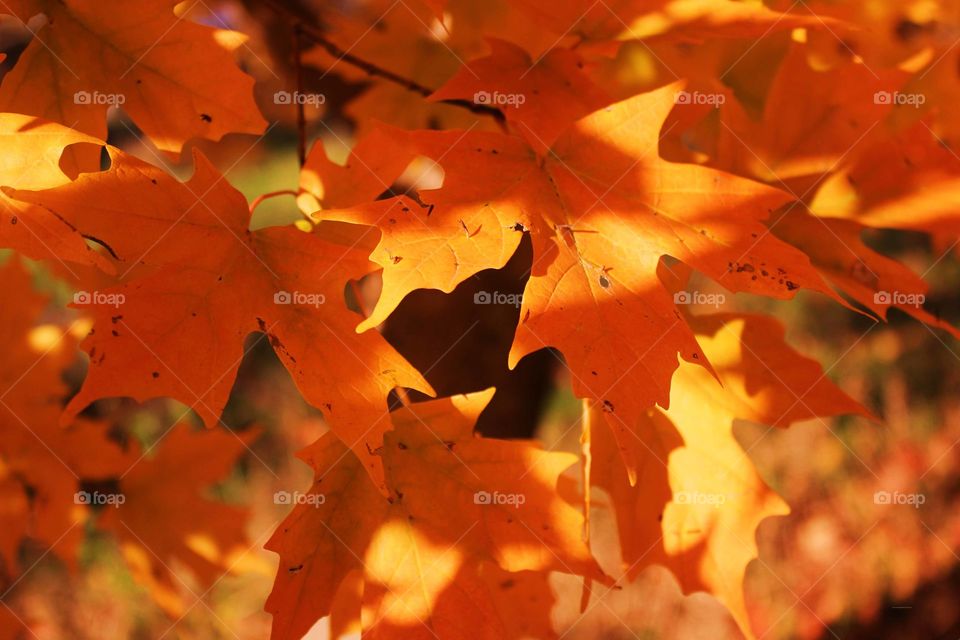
[31, 160]
[602, 209]
[171, 75]
[698, 500]
[194, 282]
[456, 501]
[167, 484]
[41, 463]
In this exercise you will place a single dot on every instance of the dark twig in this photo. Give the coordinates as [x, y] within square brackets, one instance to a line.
[316, 36]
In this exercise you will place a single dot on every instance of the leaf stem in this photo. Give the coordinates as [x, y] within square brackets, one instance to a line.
[272, 194]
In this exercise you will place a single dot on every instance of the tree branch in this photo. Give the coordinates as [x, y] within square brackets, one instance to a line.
[316, 35]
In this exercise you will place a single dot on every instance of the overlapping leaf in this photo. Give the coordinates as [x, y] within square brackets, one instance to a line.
[194, 282]
[457, 503]
[38, 488]
[698, 500]
[539, 97]
[601, 209]
[170, 484]
[629, 19]
[878, 283]
[31, 160]
[91, 55]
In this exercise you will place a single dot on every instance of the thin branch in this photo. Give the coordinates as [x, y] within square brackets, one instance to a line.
[316, 35]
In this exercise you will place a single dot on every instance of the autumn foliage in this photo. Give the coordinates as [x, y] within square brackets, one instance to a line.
[396, 206]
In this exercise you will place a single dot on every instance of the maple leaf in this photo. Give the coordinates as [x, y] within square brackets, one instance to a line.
[31, 160]
[40, 462]
[320, 544]
[904, 181]
[884, 34]
[42, 467]
[327, 185]
[698, 500]
[456, 501]
[631, 19]
[653, 606]
[540, 97]
[835, 247]
[90, 56]
[840, 104]
[195, 282]
[166, 484]
[602, 209]
[400, 39]
[523, 600]
[38, 489]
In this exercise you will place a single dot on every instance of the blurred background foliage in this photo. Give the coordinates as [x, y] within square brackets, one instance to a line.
[840, 566]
